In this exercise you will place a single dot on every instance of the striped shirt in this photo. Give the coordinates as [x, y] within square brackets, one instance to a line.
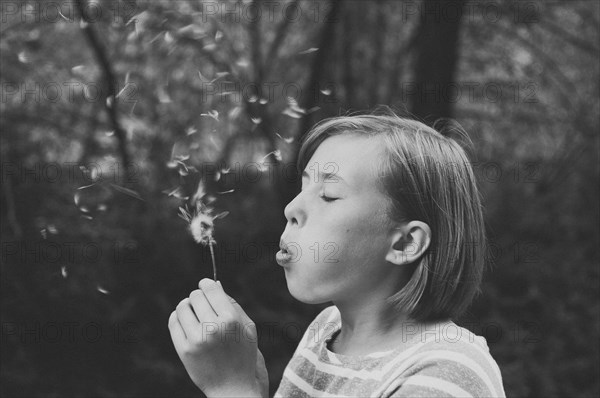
[439, 362]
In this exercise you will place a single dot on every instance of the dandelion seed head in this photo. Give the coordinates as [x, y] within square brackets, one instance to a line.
[202, 227]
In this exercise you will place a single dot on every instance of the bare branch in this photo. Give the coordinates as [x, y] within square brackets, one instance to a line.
[568, 88]
[110, 100]
[10, 209]
[280, 35]
[569, 37]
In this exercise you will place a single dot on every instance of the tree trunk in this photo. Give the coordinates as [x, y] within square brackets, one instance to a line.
[433, 91]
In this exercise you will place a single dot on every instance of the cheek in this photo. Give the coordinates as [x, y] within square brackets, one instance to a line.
[365, 243]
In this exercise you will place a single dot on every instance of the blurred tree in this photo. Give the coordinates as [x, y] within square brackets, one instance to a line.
[438, 53]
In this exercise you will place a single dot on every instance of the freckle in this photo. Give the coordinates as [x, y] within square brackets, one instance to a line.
[348, 230]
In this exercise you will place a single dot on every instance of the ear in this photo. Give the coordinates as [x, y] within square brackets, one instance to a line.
[408, 243]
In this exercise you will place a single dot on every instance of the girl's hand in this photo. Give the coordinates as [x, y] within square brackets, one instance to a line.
[217, 343]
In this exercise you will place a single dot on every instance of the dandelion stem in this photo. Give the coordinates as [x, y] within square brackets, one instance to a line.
[212, 255]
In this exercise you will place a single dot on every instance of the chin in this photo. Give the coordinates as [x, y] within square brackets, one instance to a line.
[305, 295]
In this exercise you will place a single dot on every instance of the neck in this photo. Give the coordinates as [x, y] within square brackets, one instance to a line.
[369, 327]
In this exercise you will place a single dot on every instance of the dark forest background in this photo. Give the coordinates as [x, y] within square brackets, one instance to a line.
[94, 257]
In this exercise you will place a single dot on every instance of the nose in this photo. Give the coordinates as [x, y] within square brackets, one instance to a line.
[294, 211]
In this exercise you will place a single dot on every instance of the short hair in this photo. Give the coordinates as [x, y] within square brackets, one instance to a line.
[428, 177]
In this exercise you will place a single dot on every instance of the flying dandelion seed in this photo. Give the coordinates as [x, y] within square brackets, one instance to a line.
[127, 191]
[243, 63]
[23, 57]
[78, 70]
[293, 110]
[201, 76]
[122, 90]
[132, 108]
[310, 50]
[212, 141]
[65, 18]
[292, 114]
[287, 140]
[212, 114]
[177, 192]
[276, 153]
[235, 112]
[102, 290]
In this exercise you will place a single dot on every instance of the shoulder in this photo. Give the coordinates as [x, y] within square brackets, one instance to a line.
[450, 361]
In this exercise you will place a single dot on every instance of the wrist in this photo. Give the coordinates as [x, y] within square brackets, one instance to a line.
[235, 392]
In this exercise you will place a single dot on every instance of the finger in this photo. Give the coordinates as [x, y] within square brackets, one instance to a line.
[247, 320]
[216, 297]
[202, 308]
[187, 318]
[177, 333]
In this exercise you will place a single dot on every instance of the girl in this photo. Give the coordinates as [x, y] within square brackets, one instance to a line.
[393, 209]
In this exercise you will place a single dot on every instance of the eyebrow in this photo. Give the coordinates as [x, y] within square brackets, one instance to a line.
[325, 176]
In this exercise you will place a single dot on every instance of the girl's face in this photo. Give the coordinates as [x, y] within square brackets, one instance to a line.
[337, 229]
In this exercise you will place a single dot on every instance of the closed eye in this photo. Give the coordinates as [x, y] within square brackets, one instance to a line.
[327, 198]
